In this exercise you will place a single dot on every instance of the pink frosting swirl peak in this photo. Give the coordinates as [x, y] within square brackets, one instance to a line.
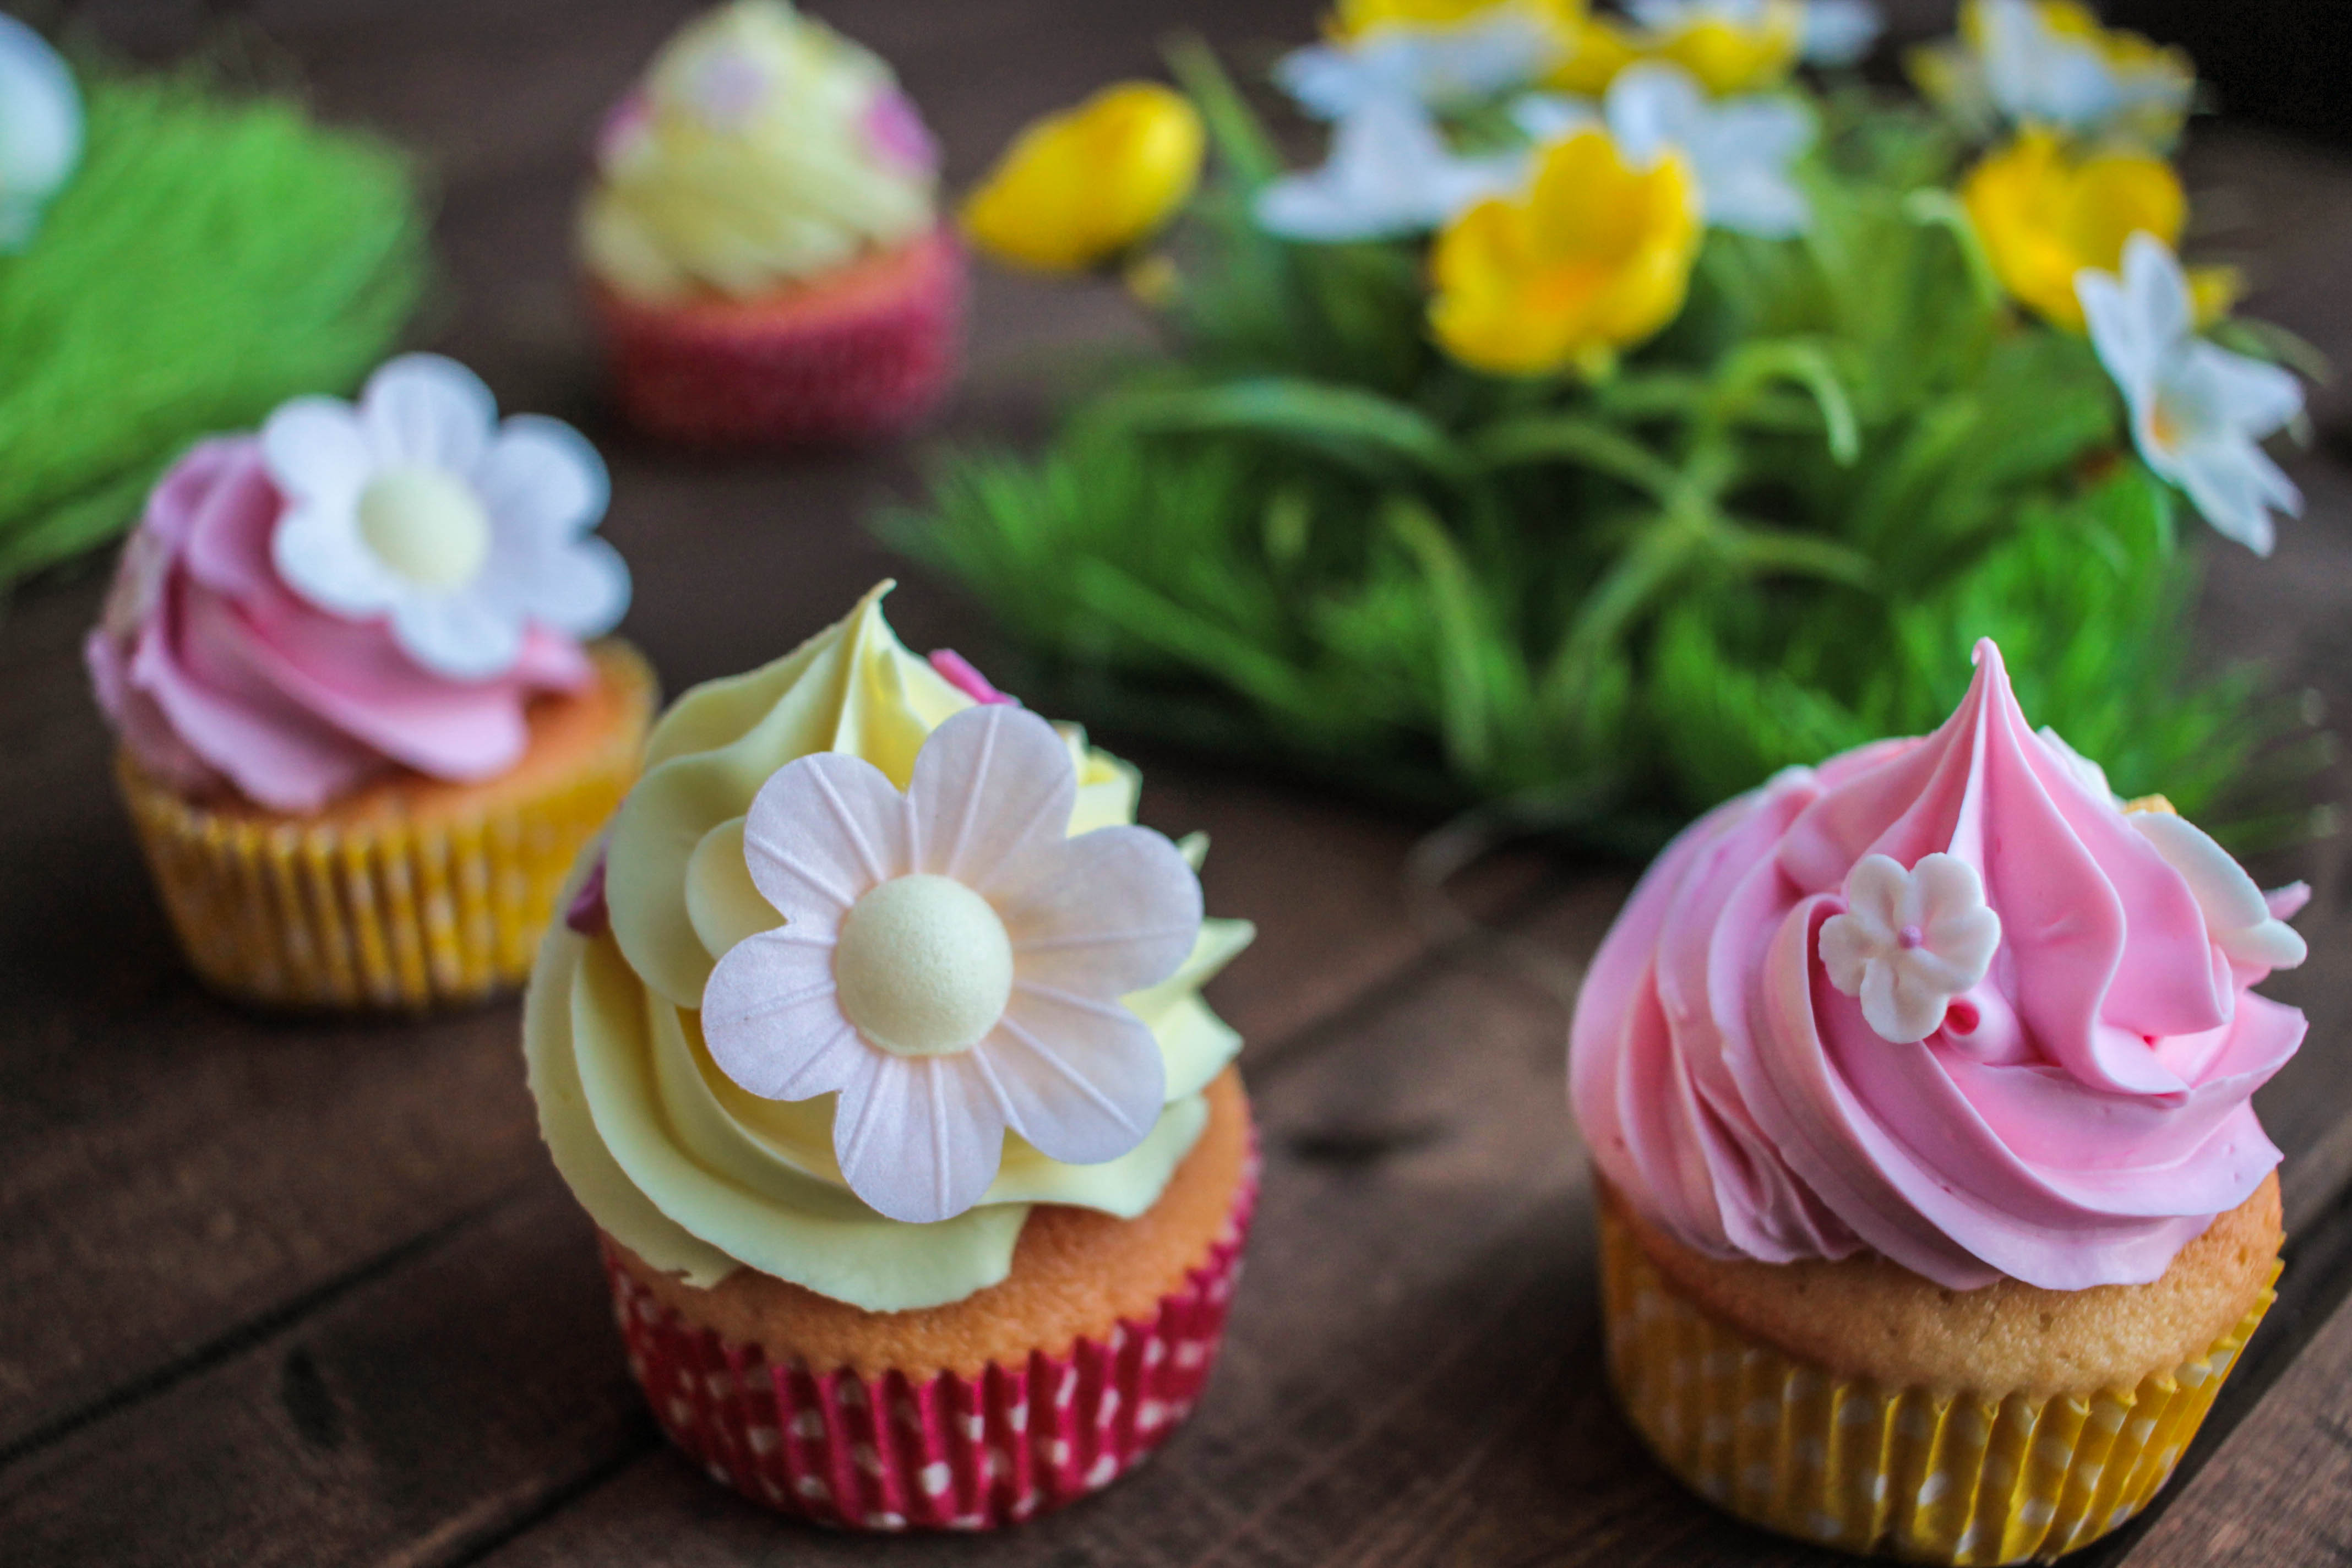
[213, 670]
[2081, 1113]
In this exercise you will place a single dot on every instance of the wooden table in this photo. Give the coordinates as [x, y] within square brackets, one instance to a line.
[304, 1293]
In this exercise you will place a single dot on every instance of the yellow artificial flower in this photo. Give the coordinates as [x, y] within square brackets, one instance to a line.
[1354, 18]
[2045, 214]
[1593, 258]
[1076, 188]
[1727, 55]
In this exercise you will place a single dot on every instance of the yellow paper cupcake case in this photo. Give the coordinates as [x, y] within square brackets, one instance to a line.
[1913, 1473]
[402, 912]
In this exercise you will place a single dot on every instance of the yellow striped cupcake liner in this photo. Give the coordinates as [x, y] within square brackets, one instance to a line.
[400, 913]
[1912, 1473]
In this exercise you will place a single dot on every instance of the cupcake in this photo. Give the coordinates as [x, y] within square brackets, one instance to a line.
[764, 253]
[361, 739]
[873, 1045]
[1933, 1208]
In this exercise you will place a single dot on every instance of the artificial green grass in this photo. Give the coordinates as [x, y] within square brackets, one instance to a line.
[215, 254]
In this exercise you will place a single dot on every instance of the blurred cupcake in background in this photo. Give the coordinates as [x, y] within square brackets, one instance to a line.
[361, 736]
[762, 242]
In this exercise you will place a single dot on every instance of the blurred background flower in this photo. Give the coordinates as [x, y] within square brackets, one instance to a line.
[1078, 188]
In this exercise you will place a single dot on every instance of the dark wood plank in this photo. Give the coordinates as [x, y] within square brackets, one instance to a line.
[2278, 1488]
[457, 1394]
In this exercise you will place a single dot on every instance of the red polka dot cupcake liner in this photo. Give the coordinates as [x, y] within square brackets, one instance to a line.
[939, 1452]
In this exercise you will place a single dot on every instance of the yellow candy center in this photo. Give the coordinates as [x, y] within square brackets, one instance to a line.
[426, 526]
[924, 966]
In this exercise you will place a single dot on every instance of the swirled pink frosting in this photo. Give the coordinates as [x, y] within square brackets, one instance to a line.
[214, 671]
[2083, 1113]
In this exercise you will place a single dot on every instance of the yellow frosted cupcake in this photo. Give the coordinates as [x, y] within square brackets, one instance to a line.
[362, 737]
[874, 1048]
[764, 253]
[1934, 1210]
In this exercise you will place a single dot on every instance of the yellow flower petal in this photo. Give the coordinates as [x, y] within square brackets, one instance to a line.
[1353, 19]
[1593, 258]
[1727, 57]
[2044, 215]
[1077, 187]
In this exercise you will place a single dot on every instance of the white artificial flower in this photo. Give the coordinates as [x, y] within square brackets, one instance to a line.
[2199, 412]
[40, 130]
[1832, 32]
[2037, 74]
[1910, 941]
[1390, 173]
[419, 505]
[1490, 52]
[2238, 916]
[952, 963]
[1740, 150]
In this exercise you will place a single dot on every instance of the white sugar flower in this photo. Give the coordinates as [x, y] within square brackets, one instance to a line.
[420, 506]
[1390, 173]
[2197, 411]
[1741, 150]
[1490, 52]
[1909, 941]
[40, 130]
[1831, 32]
[952, 963]
[2040, 72]
[2239, 917]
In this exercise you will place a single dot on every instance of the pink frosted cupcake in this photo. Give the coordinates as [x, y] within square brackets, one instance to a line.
[362, 735]
[764, 254]
[1933, 1207]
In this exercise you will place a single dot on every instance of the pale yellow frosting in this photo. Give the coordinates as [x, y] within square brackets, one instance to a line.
[761, 149]
[692, 1173]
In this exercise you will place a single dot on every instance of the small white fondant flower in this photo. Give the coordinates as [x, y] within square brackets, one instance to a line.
[1741, 150]
[40, 130]
[2199, 412]
[952, 963]
[1491, 52]
[2239, 917]
[418, 504]
[1909, 941]
[1390, 173]
[1832, 32]
[2037, 74]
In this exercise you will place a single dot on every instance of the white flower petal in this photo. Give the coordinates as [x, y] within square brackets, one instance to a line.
[456, 635]
[993, 787]
[1913, 1007]
[2230, 484]
[581, 588]
[1881, 1009]
[1847, 949]
[544, 479]
[921, 1139]
[1114, 911]
[41, 130]
[1553, 116]
[773, 1019]
[1437, 65]
[317, 551]
[426, 411]
[316, 452]
[1839, 32]
[2157, 290]
[1876, 890]
[1390, 173]
[2255, 398]
[1654, 107]
[2120, 338]
[1082, 1079]
[1966, 940]
[822, 832]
